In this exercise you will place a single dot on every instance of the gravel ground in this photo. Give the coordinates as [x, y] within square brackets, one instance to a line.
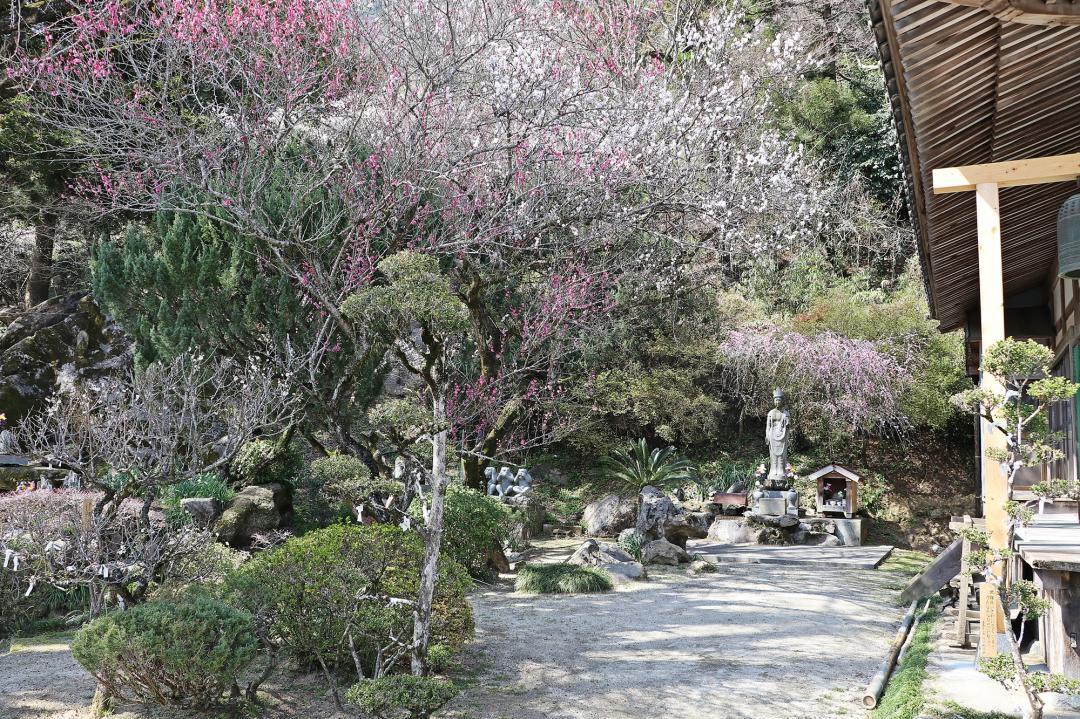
[758, 641]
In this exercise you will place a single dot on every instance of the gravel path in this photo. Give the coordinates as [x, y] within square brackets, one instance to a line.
[762, 642]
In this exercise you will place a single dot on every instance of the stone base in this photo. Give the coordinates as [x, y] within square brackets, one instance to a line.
[776, 502]
[852, 532]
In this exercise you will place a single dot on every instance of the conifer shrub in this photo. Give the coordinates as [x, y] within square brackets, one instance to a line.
[562, 579]
[401, 696]
[184, 653]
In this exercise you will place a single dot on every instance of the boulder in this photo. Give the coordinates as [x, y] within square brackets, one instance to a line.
[594, 554]
[818, 524]
[661, 551]
[731, 531]
[203, 510]
[782, 521]
[631, 536]
[62, 340]
[815, 539]
[256, 508]
[624, 572]
[687, 525]
[655, 512]
[608, 516]
[703, 566]
[528, 516]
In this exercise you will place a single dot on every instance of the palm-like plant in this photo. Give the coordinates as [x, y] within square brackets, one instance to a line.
[637, 467]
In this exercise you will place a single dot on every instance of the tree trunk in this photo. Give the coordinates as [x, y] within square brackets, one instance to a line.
[39, 283]
[474, 473]
[433, 539]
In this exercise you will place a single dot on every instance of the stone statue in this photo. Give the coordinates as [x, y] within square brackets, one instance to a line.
[489, 473]
[776, 436]
[506, 481]
[522, 481]
[7, 442]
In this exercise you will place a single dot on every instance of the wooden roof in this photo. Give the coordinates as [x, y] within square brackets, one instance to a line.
[976, 81]
[834, 469]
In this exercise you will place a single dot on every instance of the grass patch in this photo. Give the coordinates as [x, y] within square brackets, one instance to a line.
[905, 562]
[952, 710]
[903, 697]
[562, 579]
[53, 641]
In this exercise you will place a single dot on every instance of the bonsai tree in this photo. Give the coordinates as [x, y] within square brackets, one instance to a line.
[1018, 411]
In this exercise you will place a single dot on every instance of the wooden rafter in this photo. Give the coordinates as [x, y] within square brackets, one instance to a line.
[1036, 171]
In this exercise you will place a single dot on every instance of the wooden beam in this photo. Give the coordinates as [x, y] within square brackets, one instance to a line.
[1037, 171]
[992, 317]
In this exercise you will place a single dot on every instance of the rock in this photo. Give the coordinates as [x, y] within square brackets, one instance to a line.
[593, 553]
[608, 516]
[656, 510]
[702, 566]
[631, 536]
[815, 539]
[62, 340]
[203, 510]
[528, 516]
[624, 572]
[687, 525]
[661, 551]
[782, 521]
[256, 508]
[850, 531]
[497, 560]
[818, 524]
[731, 531]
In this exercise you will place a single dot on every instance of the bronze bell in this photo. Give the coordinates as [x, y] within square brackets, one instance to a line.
[1068, 237]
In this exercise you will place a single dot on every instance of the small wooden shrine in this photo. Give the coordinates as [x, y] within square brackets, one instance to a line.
[837, 490]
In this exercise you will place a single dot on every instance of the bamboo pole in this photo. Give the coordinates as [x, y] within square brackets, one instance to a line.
[877, 683]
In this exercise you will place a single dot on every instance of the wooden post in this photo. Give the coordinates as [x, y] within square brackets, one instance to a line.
[965, 591]
[992, 313]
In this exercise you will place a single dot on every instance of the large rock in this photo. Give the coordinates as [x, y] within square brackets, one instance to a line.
[528, 516]
[255, 509]
[593, 553]
[62, 340]
[731, 530]
[661, 551]
[703, 566]
[625, 572]
[619, 564]
[655, 512]
[202, 510]
[608, 516]
[687, 525]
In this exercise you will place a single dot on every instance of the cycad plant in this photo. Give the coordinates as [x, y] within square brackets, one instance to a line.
[638, 467]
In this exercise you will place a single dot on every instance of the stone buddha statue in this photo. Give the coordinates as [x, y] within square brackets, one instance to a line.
[776, 436]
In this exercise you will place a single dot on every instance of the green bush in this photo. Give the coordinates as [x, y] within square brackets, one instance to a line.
[315, 592]
[347, 479]
[263, 461]
[183, 653]
[474, 524]
[401, 696]
[207, 484]
[562, 579]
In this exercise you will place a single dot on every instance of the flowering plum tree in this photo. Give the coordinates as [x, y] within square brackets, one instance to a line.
[542, 154]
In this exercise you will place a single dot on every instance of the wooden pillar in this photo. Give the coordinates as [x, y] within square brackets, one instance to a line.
[992, 313]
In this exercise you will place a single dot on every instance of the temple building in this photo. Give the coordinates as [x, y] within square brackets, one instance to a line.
[986, 102]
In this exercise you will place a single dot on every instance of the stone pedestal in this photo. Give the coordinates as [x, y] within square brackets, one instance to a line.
[776, 502]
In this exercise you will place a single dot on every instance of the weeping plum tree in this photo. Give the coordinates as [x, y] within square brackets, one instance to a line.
[835, 384]
[545, 156]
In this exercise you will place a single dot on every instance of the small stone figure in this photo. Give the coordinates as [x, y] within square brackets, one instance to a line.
[506, 481]
[7, 442]
[491, 485]
[776, 437]
[522, 481]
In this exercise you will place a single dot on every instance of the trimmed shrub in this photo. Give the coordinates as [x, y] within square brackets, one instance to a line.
[475, 524]
[347, 479]
[562, 579]
[184, 653]
[346, 587]
[263, 461]
[401, 696]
